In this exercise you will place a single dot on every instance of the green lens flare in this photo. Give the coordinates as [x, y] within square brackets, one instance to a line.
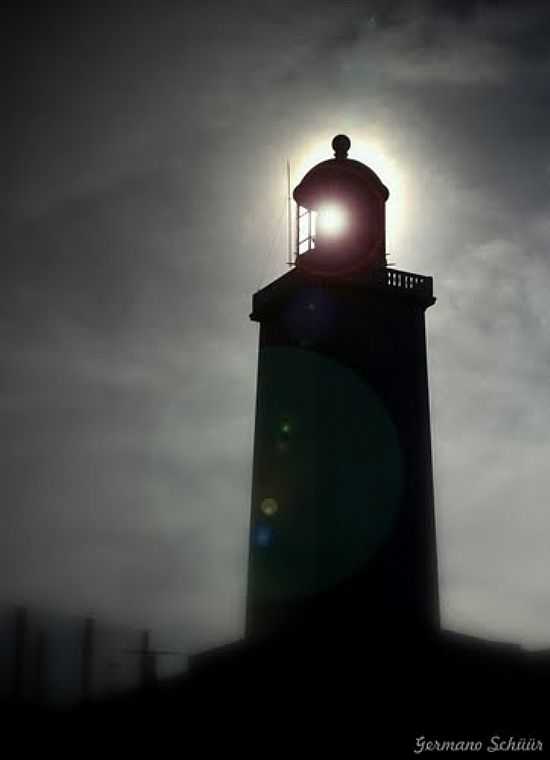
[340, 481]
[269, 507]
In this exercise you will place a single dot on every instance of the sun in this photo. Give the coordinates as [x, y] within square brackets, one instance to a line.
[372, 153]
[331, 220]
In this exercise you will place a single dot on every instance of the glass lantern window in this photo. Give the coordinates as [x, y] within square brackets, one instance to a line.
[305, 229]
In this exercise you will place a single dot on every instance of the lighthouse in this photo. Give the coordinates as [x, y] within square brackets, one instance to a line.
[342, 531]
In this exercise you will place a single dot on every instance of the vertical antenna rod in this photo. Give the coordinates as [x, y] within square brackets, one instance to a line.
[289, 216]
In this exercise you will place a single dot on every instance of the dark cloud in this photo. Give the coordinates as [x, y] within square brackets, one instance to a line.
[144, 204]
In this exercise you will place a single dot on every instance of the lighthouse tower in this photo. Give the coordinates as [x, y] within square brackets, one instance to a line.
[342, 534]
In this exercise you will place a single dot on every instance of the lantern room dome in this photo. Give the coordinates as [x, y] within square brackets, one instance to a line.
[339, 175]
[340, 216]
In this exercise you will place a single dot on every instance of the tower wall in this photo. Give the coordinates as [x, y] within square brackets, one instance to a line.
[342, 524]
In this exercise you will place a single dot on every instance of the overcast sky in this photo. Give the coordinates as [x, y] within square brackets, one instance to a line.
[144, 204]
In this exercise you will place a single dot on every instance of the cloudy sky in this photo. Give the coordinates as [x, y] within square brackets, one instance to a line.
[144, 199]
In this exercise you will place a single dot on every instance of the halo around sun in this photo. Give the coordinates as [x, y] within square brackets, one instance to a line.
[372, 153]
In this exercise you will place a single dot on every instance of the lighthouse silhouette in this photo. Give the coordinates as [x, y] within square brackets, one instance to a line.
[343, 646]
[342, 534]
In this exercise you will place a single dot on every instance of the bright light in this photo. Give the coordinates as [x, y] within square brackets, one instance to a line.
[373, 154]
[331, 221]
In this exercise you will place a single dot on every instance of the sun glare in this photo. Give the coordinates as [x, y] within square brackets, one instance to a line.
[331, 220]
[372, 154]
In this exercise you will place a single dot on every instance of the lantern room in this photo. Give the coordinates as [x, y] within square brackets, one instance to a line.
[340, 216]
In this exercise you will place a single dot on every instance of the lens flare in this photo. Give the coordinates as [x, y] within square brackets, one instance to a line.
[286, 428]
[263, 535]
[269, 507]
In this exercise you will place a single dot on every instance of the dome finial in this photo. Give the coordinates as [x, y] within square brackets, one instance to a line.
[341, 144]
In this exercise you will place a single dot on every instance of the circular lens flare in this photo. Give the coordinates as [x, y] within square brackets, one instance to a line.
[332, 220]
[263, 535]
[269, 507]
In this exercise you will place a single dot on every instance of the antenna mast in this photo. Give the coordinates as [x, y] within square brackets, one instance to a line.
[289, 215]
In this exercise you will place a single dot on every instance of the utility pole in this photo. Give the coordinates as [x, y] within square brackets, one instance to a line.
[148, 660]
[21, 635]
[86, 673]
[39, 675]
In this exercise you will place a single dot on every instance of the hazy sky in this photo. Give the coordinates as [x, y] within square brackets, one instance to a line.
[144, 204]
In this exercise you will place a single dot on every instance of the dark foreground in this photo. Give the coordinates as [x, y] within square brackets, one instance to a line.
[384, 696]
